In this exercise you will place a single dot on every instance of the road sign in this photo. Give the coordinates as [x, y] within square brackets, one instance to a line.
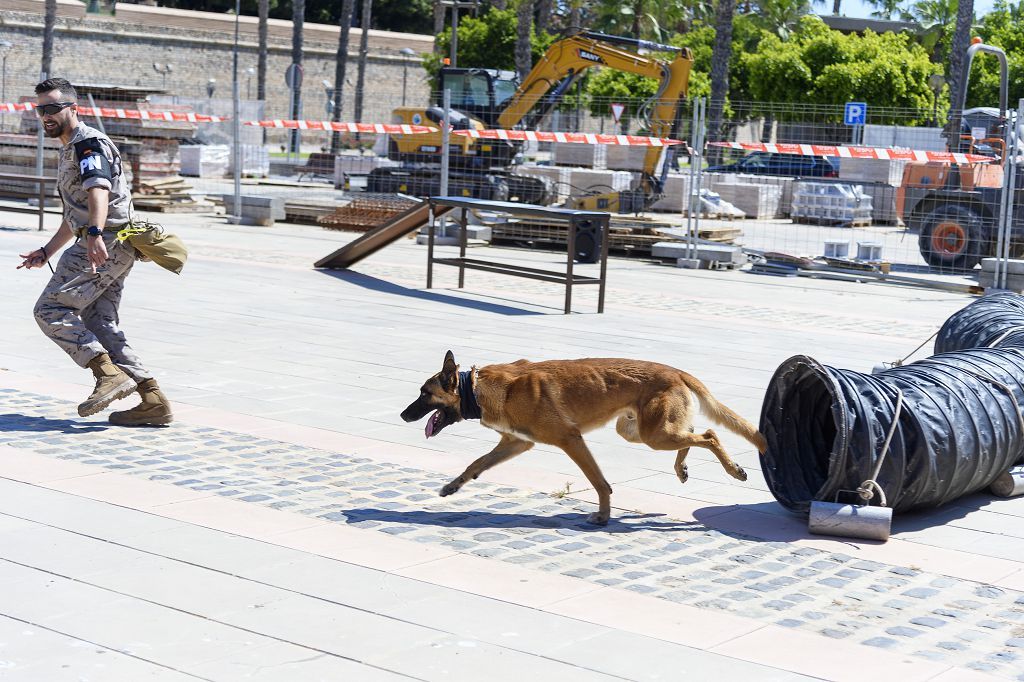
[617, 110]
[293, 76]
[856, 113]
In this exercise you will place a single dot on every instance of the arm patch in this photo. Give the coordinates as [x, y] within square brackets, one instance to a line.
[92, 162]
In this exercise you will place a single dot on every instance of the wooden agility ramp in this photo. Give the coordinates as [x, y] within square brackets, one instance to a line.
[398, 226]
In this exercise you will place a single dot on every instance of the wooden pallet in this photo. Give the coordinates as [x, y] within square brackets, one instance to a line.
[827, 222]
[308, 211]
[160, 205]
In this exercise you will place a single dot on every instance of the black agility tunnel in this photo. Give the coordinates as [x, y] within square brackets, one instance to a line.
[959, 428]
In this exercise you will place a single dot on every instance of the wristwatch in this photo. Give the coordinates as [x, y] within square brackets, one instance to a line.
[93, 231]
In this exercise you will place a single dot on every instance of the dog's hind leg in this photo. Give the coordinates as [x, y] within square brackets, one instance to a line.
[507, 448]
[683, 442]
[577, 449]
[680, 466]
[665, 425]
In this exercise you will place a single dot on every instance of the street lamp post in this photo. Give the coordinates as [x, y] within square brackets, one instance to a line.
[163, 70]
[5, 48]
[406, 52]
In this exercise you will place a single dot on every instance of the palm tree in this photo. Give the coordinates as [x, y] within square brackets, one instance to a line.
[49, 21]
[438, 24]
[364, 49]
[886, 9]
[957, 77]
[935, 17]
[261, 62]
[544, 8]
[720, 55]
[261, 59]
[298, 19]
[524, 14]
[780, 16]
[835, 7]
[575, 13]
[340, 61]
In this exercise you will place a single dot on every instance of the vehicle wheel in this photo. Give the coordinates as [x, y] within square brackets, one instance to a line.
[952, 238]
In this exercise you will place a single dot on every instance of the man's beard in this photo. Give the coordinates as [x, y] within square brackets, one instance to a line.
[55, 131]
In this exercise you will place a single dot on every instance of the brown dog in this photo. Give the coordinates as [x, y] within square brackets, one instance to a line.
[557, 401]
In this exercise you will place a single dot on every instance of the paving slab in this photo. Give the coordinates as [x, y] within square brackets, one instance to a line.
[289, 481]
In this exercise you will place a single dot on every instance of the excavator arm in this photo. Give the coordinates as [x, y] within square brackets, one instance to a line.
[567, 59]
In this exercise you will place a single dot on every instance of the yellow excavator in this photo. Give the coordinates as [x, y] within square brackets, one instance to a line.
[488, 98]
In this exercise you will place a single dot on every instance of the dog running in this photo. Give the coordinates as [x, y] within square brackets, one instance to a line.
[557, 401]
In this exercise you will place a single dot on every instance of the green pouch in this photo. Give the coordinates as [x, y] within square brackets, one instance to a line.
[151, 243]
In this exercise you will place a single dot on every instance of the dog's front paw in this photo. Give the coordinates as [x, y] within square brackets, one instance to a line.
[451, 488]
[598, 519]
[740, 473]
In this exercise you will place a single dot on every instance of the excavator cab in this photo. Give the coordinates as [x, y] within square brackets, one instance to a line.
[481, 93]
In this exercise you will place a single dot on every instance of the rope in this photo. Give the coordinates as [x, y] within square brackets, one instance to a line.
[1002, 337]
[899, 363]
[867, 488]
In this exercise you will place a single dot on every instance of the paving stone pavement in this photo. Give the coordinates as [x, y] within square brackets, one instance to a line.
[959, 622]
[413, 275]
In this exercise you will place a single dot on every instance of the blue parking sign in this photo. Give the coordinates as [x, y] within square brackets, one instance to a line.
[856, 113]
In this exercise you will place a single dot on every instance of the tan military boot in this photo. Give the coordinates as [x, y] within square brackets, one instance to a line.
[111, 384]
[154, 410]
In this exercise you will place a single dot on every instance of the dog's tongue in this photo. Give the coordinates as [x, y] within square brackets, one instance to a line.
[429, 428]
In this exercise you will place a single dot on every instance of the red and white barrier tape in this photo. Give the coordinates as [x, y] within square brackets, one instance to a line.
[571, 138]
[388, 128]
[132, 114]
[894, 154]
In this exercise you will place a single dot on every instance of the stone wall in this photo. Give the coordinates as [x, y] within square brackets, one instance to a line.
[111, 51]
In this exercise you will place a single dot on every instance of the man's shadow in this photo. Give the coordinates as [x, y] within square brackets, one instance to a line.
[30, 424]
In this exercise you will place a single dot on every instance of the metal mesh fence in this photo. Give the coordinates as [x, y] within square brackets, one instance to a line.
[857, 212]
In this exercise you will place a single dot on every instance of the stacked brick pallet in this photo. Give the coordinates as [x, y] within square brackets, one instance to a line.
[879, 178]
[828, 203]
[756, 201]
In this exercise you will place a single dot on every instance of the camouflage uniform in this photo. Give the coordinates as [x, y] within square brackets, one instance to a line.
[78, 308]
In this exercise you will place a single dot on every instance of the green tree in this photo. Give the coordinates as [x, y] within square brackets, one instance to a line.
[608, 86]
[1002, 27]
[888, 71]
[486, 42]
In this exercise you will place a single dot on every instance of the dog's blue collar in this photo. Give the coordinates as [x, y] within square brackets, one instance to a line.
[469, 408]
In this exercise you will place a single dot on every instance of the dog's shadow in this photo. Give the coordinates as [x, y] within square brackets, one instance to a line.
[577, 521]
[27, 423]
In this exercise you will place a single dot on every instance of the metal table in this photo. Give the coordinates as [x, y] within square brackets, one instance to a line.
[571, 218]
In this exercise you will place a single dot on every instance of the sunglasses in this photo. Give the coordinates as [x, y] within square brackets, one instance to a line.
[53, 109]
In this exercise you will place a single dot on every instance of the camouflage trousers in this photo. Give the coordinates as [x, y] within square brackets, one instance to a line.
[78, 308]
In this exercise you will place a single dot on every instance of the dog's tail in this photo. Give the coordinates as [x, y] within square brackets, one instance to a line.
[722, 415]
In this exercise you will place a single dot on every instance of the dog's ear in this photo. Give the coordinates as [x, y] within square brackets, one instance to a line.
[450, 372]
[449, 366]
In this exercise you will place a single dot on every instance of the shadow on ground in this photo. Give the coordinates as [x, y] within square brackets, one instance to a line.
[622, 523]
[26, 423]
[368, 282]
